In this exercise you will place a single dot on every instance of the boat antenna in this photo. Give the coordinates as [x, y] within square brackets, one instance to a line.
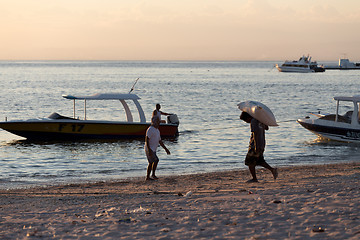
[132, 88]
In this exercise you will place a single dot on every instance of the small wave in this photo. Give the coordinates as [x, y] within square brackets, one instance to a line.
[188, 132]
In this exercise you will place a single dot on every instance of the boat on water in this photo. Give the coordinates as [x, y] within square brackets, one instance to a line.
[344, 64]
[303, 65]
[345, 128]
[58, 127]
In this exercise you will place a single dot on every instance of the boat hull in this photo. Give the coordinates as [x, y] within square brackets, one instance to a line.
[82, 129]
[341, 68]
[343, 134]
[294, 69]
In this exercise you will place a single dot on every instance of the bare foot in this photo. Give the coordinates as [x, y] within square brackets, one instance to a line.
[275, 173]
[154, 177]
[252, 181]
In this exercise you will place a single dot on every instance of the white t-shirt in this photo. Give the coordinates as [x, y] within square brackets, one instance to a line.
[154, 138]
[158, 114]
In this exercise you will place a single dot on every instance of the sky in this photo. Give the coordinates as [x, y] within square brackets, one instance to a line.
[227, 30]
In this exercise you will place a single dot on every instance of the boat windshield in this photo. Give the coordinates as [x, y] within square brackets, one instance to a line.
[345, 111]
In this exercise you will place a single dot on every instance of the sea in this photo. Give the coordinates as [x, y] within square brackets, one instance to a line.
[203, 94]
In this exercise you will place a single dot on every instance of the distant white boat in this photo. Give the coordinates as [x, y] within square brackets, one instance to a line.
[344, 64]
[303, 65]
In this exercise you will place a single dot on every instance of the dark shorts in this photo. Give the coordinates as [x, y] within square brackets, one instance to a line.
[151, 158]
[254, 159]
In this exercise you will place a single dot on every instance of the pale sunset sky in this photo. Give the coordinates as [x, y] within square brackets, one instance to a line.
[179, 30]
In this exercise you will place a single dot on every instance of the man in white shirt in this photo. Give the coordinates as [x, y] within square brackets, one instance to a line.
[152, 141]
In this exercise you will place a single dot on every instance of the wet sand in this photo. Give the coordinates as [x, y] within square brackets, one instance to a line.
[305, 202]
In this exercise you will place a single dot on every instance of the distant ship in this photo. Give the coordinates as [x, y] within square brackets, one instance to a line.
[344, 64]
[303, 65]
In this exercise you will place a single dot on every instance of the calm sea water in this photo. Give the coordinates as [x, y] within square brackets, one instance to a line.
[204, 95]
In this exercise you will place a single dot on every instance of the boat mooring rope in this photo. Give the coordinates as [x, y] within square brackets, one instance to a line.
[223, 128]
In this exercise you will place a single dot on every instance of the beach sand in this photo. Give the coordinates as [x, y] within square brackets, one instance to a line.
[305, 202]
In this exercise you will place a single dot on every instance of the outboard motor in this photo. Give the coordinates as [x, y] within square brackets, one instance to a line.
[173, 119]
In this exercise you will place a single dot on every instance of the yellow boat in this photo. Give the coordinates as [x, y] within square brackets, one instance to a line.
[58, 127]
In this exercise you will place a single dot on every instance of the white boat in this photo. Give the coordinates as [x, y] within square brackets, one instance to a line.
[58, 127]
[303, 65]
[344, 64]
[345, 128]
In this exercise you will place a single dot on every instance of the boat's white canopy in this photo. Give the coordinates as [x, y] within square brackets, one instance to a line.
[355, 113]
[355, 98]
[105, 96]
[113, 96]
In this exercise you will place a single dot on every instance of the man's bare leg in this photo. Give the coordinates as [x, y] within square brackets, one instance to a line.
[253, 173]
[153, 170]
[148, 171]
[273, 170]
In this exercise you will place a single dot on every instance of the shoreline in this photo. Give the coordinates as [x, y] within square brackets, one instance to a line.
[312, 201]
[9, 187]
